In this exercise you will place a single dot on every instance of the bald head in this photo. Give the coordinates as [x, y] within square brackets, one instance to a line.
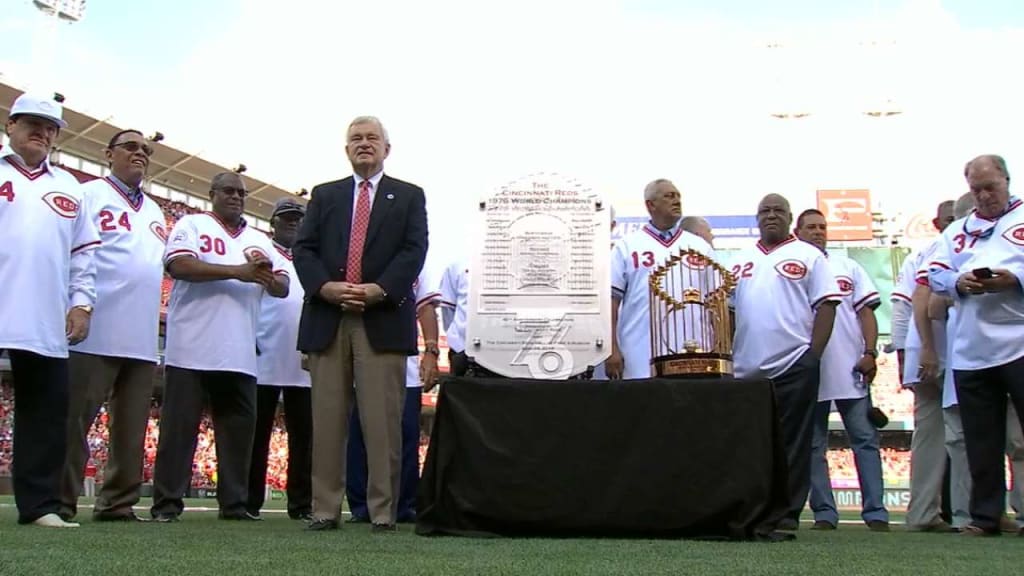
[774, 219]
[993, 161]
[774, 199]
[963, 206]
[227, 194]
[697, 226]
[989, 182]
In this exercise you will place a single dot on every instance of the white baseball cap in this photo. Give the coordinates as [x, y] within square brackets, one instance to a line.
[37, 106]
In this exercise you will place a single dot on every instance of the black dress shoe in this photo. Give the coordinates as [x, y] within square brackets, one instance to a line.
[242, 516]
[320, 524]
[353, 519]
[788, 525]
[165, 517]
[382, 528]
[107, 516]
[305, 517]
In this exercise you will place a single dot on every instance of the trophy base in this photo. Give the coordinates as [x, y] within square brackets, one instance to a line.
[696, 365]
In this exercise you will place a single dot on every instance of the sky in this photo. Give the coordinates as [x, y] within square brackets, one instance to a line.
[614, 93]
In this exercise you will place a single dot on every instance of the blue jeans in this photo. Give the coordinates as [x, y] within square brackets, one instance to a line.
[356, 469]
[864, 442]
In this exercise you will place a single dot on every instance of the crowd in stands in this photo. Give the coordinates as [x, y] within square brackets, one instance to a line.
[896, 463]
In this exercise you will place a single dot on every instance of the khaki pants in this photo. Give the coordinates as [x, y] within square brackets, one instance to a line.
[351, 370]
[927, 455]
[128, 384]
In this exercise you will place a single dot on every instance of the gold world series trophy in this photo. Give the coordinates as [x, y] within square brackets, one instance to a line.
[691, 330]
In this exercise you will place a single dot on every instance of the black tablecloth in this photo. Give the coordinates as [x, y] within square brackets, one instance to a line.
[651, 458]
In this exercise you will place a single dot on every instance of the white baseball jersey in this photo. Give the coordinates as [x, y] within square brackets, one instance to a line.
[634, 257]
[277, 333]
[912, 353]
[777, 293]
[846, 345]
[989, 326]
[129, 271]
[455, 297]
[426, 294]
[47, 245]
[212, 325]
[903, 290]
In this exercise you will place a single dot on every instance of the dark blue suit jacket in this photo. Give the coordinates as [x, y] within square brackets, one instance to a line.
[393, 255]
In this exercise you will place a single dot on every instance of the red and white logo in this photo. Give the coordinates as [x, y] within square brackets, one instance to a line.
[695, 261]
[1015, 235]
[845, 285]
[159, 230]
[792, 269]
[64, 205]
[253, 252]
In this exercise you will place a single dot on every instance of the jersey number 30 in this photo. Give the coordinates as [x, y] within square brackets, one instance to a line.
[207, 244]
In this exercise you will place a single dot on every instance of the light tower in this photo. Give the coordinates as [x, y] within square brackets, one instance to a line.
[45, 51]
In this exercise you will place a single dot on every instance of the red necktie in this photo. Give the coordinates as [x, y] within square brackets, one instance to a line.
[360, 221]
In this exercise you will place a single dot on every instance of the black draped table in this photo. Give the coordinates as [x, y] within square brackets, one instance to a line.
[647, 458]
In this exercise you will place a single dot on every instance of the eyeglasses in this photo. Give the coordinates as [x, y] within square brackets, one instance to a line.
[231, 191]
[132, 147]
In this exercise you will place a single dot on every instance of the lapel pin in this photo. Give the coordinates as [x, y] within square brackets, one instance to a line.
[391, 196]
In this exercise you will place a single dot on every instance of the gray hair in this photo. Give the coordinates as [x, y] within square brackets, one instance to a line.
[371, 120]
[218, 179]
[693, 223]
[963, 206]
[652, 188]
[996, 161]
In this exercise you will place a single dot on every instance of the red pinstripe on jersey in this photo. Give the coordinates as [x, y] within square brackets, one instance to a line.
[234, 234]
[134, 206]
[30, 174]
[86, 245]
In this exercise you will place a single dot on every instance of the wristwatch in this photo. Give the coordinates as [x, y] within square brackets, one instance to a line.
[84, 308]
[872, 353]
[432, 350]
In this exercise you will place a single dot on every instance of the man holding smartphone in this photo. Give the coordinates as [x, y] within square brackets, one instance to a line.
[980, 264]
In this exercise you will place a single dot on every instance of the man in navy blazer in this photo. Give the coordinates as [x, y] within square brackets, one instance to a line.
[357, 255]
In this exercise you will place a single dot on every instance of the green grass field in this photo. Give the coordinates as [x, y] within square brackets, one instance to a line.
[201, 544]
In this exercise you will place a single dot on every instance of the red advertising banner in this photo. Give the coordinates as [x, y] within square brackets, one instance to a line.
[847, 212]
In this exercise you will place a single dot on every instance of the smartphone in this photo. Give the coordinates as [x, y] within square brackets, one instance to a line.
[982, 273]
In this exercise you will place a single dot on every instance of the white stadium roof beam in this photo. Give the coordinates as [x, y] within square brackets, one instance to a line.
[87, 136]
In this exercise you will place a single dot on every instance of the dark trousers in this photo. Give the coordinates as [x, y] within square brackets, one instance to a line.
[458, 363]
[357, 471]
[127, 387]
[796, 395]
[298, 420]
[232, 400]
[40, 432]
[983, 395]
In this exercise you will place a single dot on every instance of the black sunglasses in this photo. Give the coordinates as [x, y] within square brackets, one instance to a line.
[133, 147]
[231, 191]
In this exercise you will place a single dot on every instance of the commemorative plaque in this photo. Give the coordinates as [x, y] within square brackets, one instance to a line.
[540, 289]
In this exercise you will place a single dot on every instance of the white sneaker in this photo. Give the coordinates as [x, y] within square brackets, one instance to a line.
[54, 521]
